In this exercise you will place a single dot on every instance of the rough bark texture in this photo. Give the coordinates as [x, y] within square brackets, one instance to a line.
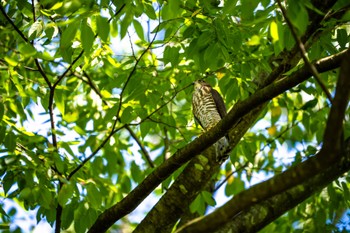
[260, 215]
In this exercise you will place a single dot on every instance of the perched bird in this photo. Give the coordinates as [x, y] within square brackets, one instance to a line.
[208, 109]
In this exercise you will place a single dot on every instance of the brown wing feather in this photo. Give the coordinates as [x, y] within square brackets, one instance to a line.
[219, 102]
[198, 121]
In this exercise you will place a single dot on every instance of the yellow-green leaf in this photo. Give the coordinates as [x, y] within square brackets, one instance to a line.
[274, 31]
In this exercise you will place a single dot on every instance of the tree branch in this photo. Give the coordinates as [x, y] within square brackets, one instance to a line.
[95, 152]
[13, 25]
[114, 130]
[138, 194]
[293, 176]
[132, 73]
[143, 149]
[127, 127]
[269, 210]
[117, 12]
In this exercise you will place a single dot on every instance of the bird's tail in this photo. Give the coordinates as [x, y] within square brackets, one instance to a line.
[222, 149]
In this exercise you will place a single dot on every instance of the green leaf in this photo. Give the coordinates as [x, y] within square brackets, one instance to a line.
[235, 187]
[171, 54]
[310, 104]
[68, 35]
[229, 6]
[27, 50]
[94, 196]
[65, 194]
[198, 205]
[2, 111]
[254, 40]
[60, 97]
[274, 31]
[298, 16]
[46, 199]
[8, 181]
[213, 51]
[35, 30]
[11, 61]
[80, 216]
[207, 197]
[79, 130]
[136, 173]
[10, 141]
[342, 38]
[127, 115]
[125, 184]
[139, 29]
[149, 10]
[204, 39]
[111, 113]
[59, 162]
[171, 10]
[346, 191]
[87, 36]
[26, 193]
[145, 128]
[125, 25]
[102, 28]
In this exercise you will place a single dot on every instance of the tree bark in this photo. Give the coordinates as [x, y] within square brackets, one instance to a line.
[260, 215]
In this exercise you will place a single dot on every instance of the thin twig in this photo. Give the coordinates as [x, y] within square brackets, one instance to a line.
[132, 73]
[113, 130]
[94, 87]
[33, 8]
[68, 69]
[116, 13]
[143, 149]
[230, 175]
[43, 74]
[127, 127]
[94, 153]
[163, 105]
[303, 53]
[13, 25]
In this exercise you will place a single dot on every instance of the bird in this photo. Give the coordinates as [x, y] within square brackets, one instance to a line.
[208, 109]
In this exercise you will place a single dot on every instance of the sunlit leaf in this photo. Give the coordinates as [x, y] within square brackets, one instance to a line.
[35, 30]
[274, 31]
[254, 40]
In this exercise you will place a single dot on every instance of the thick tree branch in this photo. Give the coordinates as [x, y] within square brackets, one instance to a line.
[136, 196]
[334, 131]
[293, 176]
[267, 211]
